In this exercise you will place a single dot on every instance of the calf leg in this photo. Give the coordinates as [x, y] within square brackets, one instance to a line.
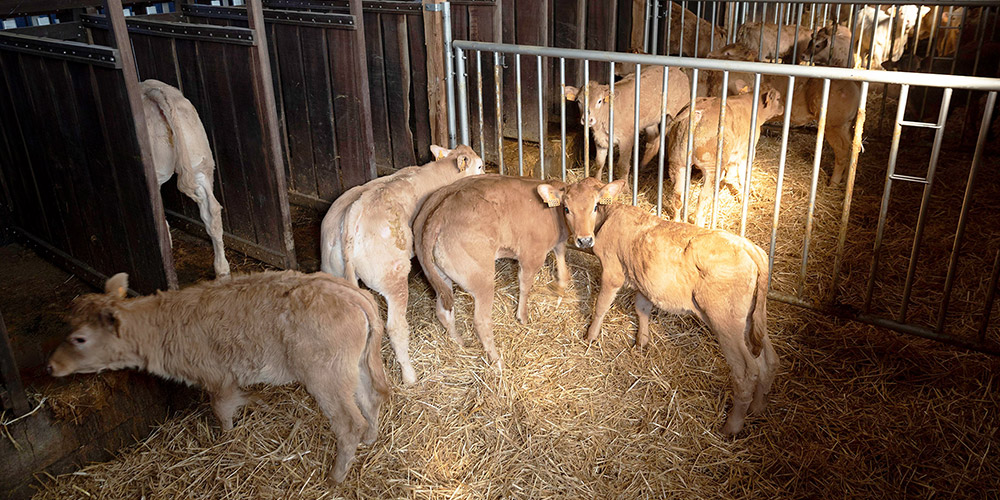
[744, 370]
[839, 138]
[335, 396]
[707, 193]
[562, 272]
[225, 401]
[211, 216]
[652, 144]
[396, 297]
[768, 364]
[611, 281]
[528, 269]
[369, 401]
[643, 308]
[601, 160]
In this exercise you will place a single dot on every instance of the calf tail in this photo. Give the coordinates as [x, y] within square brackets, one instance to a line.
[424, 237]
[350, 228]
[373, 351]
[758, 326]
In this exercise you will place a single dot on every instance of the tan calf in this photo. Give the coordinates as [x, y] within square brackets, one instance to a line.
[830, 46]
[766, 39]
[719, 277]
[807, 101]
[266, 328]
[735, 149]
[650, 102]
[367, 234]
[464, 227]
[703, 30]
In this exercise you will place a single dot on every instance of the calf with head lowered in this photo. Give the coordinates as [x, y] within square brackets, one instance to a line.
[272, 328]
[465, 226]
[683, 269]
[367, 234]
[595, 109]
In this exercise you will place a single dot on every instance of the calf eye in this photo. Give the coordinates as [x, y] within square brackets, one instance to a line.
[79, 340]
[566, 210]
[595, 208]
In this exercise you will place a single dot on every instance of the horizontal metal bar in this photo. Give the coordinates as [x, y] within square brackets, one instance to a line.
[873, 76]
[907, 123]
[955, 3]
[97, 55]
[293, 17]
[908, 178]
[208, 32]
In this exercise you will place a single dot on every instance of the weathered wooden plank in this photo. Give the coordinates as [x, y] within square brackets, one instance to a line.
[351, 108]
[376, 91]
[600, 35]
[214, 64]
[320, 100]
[302, 176]
[397, 89]
[436, 96]
[419, 110]
[17, 163]
[525, 22]
[9, 375]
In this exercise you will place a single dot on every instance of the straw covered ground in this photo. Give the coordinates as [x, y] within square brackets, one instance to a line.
[856, 412]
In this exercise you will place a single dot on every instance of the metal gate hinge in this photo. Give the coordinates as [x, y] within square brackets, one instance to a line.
[434, 7]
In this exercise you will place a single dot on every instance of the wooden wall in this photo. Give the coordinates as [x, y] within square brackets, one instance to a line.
[216, 70]
[72, 163]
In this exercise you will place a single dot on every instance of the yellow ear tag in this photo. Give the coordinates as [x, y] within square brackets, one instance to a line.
[552, 202]
[606, 199]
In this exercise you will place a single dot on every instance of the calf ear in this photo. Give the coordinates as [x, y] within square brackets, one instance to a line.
[439, 152]
[550, 195]
[571, 92]
[463, 162]
[109, 319]
[117, 286]
[610, 191]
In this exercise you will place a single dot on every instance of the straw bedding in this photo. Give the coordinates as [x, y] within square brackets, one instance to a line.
[855, 411]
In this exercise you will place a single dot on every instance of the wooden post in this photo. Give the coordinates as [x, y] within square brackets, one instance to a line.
[436, 94]
[265, 90]
[9, 376]
[638, 25]
[120, 40]
[364, 98]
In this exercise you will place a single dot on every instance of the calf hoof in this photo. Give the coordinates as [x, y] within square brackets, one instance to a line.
[522, 318]
[371, 434]
[409, 376]
[758, 405]
[733, 427]
[641, 342]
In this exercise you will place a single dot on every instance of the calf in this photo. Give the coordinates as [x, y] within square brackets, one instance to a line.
[890, 34]
[179, 144]
[464, 227]
[807, 101]
[829, 46]
[774, 42]
[683, 269]
[271, 328]
[735, 149]
[367, 234]
[704, 34]
[650, 103]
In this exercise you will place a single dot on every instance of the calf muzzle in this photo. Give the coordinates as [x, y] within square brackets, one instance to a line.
[585, 242]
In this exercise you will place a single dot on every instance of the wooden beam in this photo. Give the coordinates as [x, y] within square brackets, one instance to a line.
[638, 25]
[361, 60]
[120, 40]
[437, 98]
[10, 378]
[265, 86]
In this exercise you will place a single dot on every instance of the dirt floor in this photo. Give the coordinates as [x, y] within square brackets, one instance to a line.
[856, 411]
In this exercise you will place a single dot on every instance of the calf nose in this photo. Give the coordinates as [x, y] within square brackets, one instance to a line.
[48, 368]
[585, 242]
[592, 121]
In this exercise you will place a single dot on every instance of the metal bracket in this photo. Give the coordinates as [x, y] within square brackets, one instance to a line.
[434, 7]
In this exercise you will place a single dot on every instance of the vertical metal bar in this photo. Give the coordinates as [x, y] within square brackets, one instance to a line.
[479, 90]
[690, 146]
[892, 46]
[541, 120]
[715, 20]
[849, 191]
[520, 135]
[977, 159]
[916, 41]
[789, 97]
[497, 79]
[562, 115]
[904, 92]
[680, 48]
[655, 47]
[635, 141]
[795, 45]
[668, 15]
[463, 98]
[586, 118]
[777, 37]
[991, 295]
[751, 153]
[645, 31]
[984, 17]
[720, 143]
[924, 202]
[610, 164]
[760, 44]
[854, 37]
[697, 31]
[449, 73]
[820, 132]
[871, 46]
[663, 142]
[931, 53]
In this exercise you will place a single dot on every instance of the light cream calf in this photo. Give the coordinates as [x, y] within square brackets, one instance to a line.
[179, 144]
[266, 328]
[367, 234]
[718, 277]
[772, 46]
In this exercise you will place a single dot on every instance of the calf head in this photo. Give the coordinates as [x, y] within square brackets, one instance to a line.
[771, 104]
[95, 343]
[466, 159]
[580, 202]
[597, 100]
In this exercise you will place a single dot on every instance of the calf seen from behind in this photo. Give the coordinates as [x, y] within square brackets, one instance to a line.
[682, 269]
[272, 328]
